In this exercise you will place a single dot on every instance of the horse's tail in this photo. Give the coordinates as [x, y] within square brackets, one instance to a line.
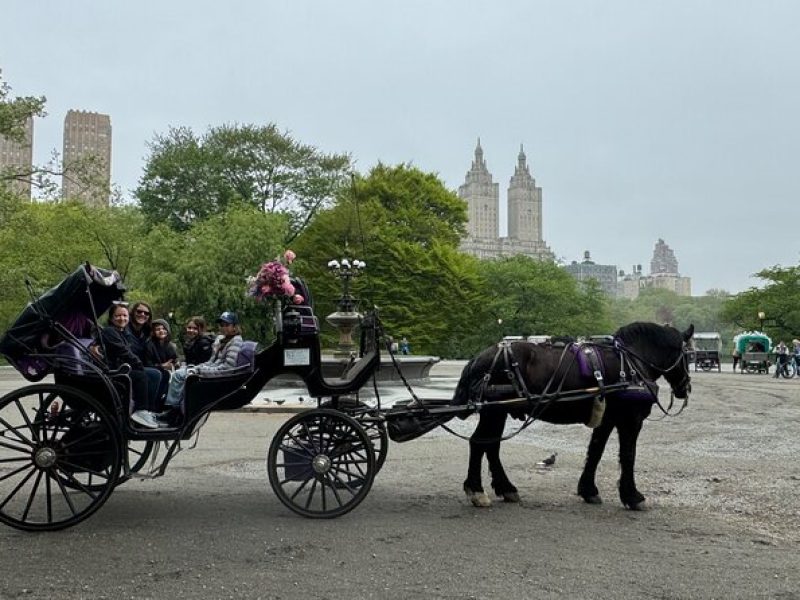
[461, 395]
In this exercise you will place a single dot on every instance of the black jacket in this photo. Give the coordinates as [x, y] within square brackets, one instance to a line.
[157, 354]
[117, 349]
[198, 350]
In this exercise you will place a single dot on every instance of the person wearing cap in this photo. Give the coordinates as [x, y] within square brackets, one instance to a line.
[226, 351]
[162, 354]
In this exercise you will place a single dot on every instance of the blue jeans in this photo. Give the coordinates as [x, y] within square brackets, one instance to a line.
[175, 389]
[153, 383]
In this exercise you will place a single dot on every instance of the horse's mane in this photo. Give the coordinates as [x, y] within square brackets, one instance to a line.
[658, 334]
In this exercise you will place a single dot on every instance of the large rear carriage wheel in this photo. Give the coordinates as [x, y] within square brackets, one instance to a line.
[321, 463]
[60, 457]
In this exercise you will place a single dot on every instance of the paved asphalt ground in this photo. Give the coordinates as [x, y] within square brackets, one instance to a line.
[721, 480]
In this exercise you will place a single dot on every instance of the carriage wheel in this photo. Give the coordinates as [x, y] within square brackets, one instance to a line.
[370, 420]
[706, 365]
[321, 463]
[60, 457]
[787, 370]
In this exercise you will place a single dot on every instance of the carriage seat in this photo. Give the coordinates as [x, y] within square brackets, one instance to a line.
[299, 320]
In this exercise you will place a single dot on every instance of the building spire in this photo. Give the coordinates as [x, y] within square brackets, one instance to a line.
[479, 162]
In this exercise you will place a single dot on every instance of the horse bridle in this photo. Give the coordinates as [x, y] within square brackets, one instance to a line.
[685, 382]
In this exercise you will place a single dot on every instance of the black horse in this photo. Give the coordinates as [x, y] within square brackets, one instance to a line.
[552, 377]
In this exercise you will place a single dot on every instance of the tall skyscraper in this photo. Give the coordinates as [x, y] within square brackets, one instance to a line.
[87, 157]
[16, 159]
[483, 207]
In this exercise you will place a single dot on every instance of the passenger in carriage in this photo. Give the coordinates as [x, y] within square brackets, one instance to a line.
[118, 351]
[162, 354]
[196, 343]
[226, 350]
[138, 333]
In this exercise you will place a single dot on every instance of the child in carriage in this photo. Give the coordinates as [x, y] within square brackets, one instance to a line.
[226, 352]
[197, 344]
[162, 354]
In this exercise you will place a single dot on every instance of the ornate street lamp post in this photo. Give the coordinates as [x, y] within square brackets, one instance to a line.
[345, 318]
[762, 317]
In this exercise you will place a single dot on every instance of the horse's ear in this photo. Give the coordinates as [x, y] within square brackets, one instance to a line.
[688, 333]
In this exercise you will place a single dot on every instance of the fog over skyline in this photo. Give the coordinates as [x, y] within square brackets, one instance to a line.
[640, 120]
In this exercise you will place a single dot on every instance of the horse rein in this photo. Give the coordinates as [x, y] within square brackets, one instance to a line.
[684, 382]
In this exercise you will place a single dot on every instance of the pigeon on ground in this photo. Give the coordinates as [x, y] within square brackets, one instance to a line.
[279, 402]
[301, 399]
[548, 462]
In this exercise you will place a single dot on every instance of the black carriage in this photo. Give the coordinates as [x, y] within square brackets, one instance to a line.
[65, 444]
[706, 350]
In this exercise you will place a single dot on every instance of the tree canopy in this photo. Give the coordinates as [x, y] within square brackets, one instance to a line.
[188, 177]
[779, 301]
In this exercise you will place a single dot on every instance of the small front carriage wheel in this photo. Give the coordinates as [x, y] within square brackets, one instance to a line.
[369, 418]
[60, 457]
[321, 463]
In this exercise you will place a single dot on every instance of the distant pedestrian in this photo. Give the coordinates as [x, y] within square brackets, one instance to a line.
[404, 347]
[736, 357]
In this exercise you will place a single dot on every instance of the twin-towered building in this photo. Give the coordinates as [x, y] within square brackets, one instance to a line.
[483, 238]
[86, 158]
[483, 206]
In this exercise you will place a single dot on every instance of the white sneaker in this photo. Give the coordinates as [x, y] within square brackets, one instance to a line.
[145, 418]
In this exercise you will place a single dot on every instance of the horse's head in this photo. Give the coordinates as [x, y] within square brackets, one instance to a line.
[660, 350]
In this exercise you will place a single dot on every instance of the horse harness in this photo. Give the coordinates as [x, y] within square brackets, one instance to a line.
[632, 385]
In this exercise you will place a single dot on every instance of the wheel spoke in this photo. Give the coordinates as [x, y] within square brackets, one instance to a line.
[300, 488]
[27, 420]
[82, 468]
[85, 437]
[17, 488]
[16, 448]
[19, 459]
[15, 430]
[31, 496]
[71, 478]
[14, 472]
[311, 493]
[64, 493]
[333, 488]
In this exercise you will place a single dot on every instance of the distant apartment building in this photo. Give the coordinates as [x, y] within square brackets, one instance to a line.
[87, 157]
[605, 275]
[664, 274]
[483, 207]
[16, 161]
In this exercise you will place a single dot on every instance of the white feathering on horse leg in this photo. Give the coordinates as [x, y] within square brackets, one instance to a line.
[598, 409]
[479, 499]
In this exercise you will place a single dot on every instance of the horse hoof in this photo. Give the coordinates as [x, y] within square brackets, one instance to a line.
[510, 497]
[639, 506]
[479, 499]
[596, 499]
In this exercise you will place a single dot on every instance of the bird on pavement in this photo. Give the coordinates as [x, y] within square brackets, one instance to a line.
[548, 462]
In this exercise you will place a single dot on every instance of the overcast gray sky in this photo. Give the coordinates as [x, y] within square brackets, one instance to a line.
[641, 120]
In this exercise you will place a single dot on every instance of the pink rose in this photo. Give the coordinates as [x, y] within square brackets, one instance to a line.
[298, 299]
[287, 288]
[289, 256]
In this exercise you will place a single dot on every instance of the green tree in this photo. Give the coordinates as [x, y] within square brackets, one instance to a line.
[530, 297]
[778, 300]
[188, 177]
[44, 242]
[405, 224]
[204, 270]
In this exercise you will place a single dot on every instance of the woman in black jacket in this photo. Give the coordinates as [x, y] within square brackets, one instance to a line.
[116, 347]
[196, 344]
